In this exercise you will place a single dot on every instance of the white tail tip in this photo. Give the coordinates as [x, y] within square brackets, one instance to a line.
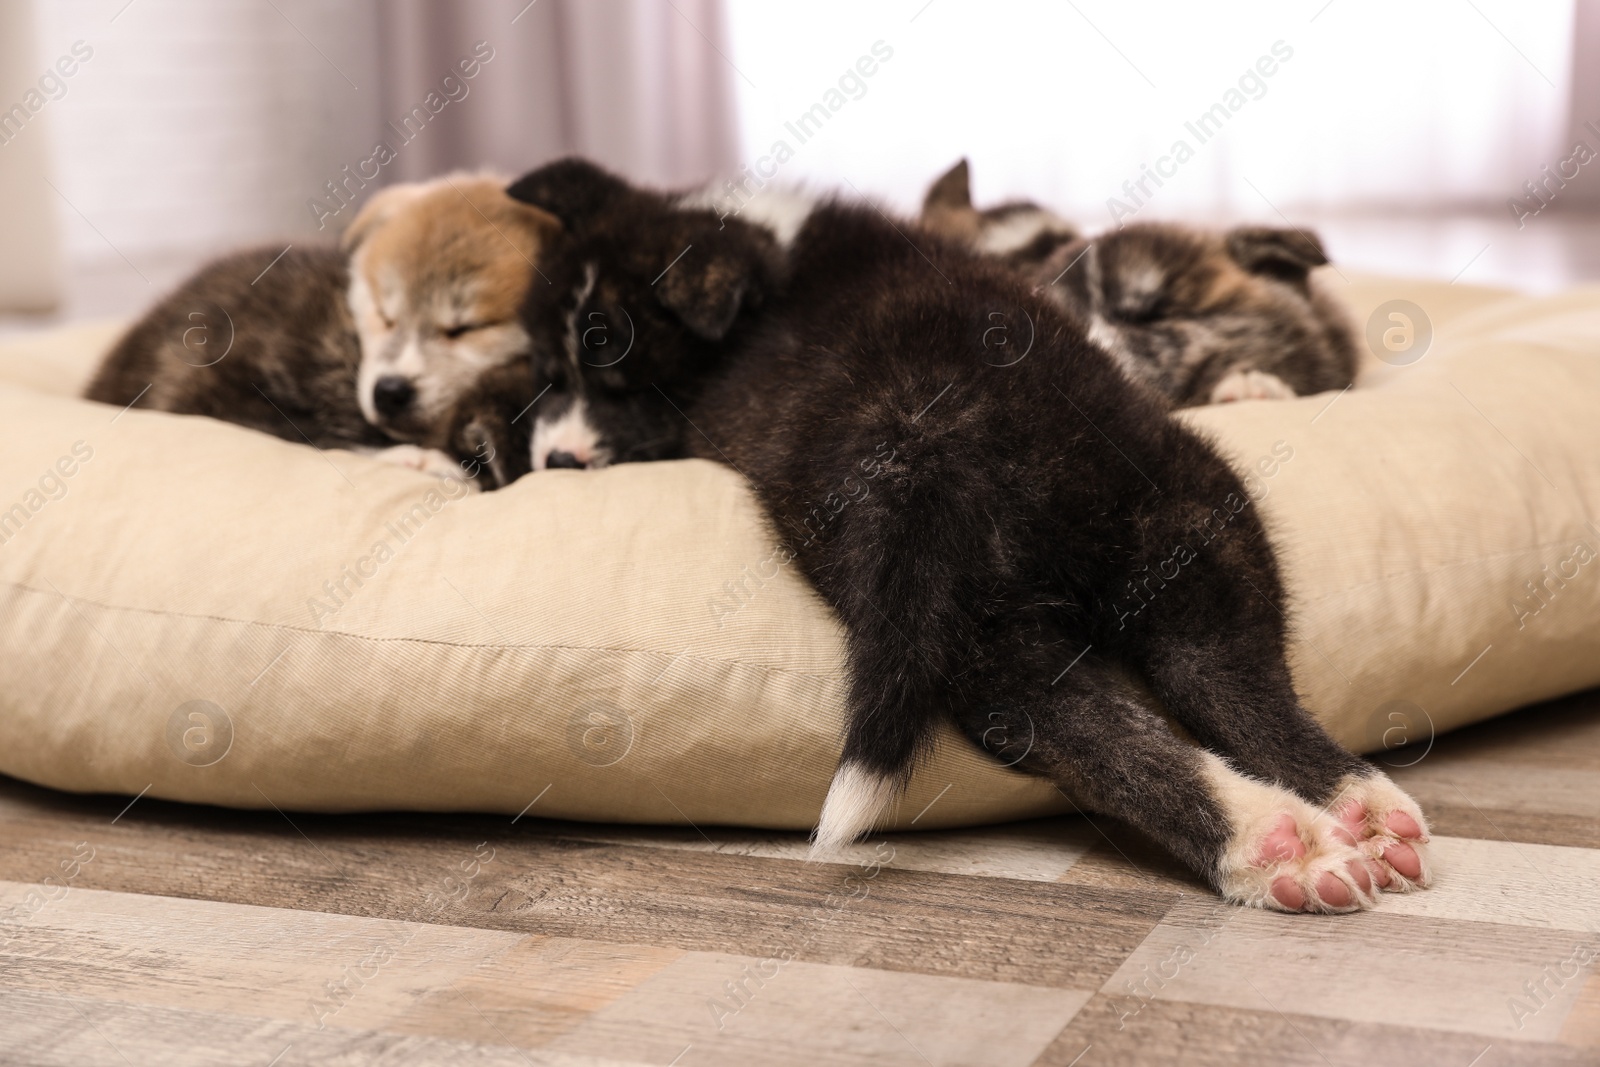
[856, 801]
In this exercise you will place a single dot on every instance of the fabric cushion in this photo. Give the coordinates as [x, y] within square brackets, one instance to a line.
[224, 617]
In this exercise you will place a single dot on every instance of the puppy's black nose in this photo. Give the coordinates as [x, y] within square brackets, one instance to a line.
[564, 459]
[392, 394]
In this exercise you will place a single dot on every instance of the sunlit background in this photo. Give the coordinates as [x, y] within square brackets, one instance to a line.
[1406, 133]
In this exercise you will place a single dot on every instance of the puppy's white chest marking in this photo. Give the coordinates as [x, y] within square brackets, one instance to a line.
[580, 296]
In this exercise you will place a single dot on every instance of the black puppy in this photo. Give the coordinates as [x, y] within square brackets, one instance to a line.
[1014, 536]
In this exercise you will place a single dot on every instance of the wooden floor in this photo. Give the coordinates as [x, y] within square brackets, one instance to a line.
[154, 933]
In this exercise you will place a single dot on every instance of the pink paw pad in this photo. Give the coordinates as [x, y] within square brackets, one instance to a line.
[1403, 858]
[1402, 825]
[1332, 891]
[1288, 894]
[1351, 827]
[1281, 843]
[1351, 823]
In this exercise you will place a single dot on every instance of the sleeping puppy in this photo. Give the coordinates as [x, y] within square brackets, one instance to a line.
[1030, 548]
[1021, 233]
[1201, 317]
[437, 273]
[375, 346]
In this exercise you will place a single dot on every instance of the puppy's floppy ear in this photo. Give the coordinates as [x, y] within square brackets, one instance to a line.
[718, 275]
[385, 203]
[572, 189]
[1287, 255]
[952, 190]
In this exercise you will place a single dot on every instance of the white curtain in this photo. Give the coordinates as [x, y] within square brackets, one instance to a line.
[198, 126]
[30, 276]
[1426, 104]
[634, 84]
[1585, 109]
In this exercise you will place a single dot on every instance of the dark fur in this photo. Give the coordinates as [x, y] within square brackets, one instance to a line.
[976, 526]
[281, 356]
[291, 367]
[1180, 308]
[490, 430]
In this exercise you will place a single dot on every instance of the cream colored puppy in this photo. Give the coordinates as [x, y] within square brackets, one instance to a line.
[438, 270]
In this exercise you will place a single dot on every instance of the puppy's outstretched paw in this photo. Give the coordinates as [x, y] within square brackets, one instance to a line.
[427, 460]
[1376, 816]
[1282, 853]
[1250, 385]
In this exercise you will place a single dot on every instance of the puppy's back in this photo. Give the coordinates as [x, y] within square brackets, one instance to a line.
[255, 339]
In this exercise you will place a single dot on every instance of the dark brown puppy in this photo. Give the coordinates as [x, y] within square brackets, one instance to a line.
[272, 349]
[1201, 317]
[269, 343]
[1015, 539]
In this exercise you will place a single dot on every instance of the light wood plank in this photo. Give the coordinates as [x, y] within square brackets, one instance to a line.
[1522, 802]
[1509, 882]
[996, 929]
[733, 1011]
[1206, 1035]
[1368, 967]
[57, 1030]
[320, 972]
[1582, 1028]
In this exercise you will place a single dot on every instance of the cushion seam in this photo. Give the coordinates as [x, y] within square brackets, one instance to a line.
[290, 627]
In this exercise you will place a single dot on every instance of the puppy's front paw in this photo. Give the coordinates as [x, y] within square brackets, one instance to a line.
[1377, 817]
[1251, 385]
[427, 460]
[1284, 854]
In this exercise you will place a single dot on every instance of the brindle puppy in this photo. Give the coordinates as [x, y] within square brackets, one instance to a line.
[269, 343]
[1200, 317]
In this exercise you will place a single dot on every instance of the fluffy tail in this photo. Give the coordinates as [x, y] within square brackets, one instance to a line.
[908, 576]
[858, 798]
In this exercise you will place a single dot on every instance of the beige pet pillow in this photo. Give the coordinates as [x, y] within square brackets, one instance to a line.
[224, 617]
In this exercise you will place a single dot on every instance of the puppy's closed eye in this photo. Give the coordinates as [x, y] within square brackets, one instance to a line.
[452, 332]
[1140, 310]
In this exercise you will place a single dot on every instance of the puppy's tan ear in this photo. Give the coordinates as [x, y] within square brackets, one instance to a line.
[953, 190]
[382, 206]
[1287, 255]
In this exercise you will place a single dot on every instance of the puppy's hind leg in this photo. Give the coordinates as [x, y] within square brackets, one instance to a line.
[1237, 699]
[1212, 649]
[1091, 732]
